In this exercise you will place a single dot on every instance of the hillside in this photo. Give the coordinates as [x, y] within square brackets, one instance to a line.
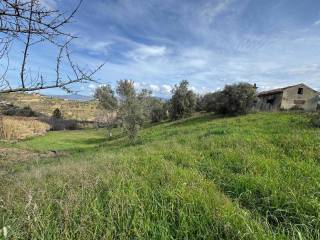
[78, 110]
[248, 177]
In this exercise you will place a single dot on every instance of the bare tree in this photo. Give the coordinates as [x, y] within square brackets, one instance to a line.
[32, 23]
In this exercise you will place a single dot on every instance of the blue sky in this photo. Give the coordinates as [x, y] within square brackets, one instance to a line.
[157, 43]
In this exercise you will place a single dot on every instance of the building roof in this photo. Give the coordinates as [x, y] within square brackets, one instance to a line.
[280, 90]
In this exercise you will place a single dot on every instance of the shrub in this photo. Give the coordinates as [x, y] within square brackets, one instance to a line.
[57, 113]
[158, 110]
[199, 103]
[17, 111]
[157, 114]
[183, 101]
[59, 124]
[315, 120]
[235, 99]
[209, 102]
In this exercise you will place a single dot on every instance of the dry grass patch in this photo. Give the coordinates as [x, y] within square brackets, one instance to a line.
[17, 128]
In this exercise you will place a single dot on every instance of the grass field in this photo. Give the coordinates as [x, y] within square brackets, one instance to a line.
[248, 177]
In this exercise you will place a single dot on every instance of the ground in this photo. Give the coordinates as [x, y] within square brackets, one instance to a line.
[71, 110]
[207, 177]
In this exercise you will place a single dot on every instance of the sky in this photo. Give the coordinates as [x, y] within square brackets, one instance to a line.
[210, 43]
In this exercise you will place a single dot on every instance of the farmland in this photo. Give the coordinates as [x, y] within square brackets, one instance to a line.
[205, 177]
[75, 110]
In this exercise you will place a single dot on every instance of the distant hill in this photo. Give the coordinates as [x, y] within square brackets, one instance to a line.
[73, 97]
[72, 106]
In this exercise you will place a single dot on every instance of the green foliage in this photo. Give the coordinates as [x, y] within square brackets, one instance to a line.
[248, 177]
[315, 120]
[210, 101]
[199, 103]
[125, 89]
[57, 113]
[157, 113]
[183, 101]
[131, 109]
[106, 97]
[131, 115]
[234, 99]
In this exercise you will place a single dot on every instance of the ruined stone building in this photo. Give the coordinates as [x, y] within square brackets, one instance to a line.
[292, 97]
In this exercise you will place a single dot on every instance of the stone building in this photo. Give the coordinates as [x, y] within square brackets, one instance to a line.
[292, 97]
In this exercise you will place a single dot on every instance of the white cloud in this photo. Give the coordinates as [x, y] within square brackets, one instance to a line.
[157, 89]
[144, 52]
[213, 10]
[166, 89]
[154, 88]
[93, 46]
[317, 23]
[49, 4]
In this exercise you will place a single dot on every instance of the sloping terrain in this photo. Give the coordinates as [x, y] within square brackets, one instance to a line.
[77, 110]
[248, 177]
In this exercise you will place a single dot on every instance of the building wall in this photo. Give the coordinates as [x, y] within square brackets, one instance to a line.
[306, 101]
[276, 99]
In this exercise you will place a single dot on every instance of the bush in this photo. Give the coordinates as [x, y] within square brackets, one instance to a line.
[199, 103]
[315, 120]
[157, 114]
[59, 124]
[234, 99]
[158, 110]
[57, 113]
[21, 112]
[209, 102]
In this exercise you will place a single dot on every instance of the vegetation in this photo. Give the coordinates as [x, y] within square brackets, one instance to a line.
[247, 177]
[129, 107]
[72, 110]
[12, 110]
[158, 112]
[27, 23]
[57, 113]
[13, 128]
[315, 120]
[209, 101]
[131, 111]
[183, 101]
[234, 99]
[106, 97]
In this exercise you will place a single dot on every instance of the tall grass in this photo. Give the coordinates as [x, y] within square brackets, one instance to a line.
[15, 128]
[248, 177]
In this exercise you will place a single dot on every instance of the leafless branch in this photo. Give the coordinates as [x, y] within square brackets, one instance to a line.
[32, 23]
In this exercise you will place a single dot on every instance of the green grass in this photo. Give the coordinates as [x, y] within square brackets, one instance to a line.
[69, 141]
[248, 177]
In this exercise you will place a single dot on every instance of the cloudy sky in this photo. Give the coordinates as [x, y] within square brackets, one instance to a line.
[157, 43]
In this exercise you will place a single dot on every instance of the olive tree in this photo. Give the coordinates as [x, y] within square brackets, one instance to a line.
[234, 99]
[131, 108]
[108, 103]
[123, 105]
[183, 101]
